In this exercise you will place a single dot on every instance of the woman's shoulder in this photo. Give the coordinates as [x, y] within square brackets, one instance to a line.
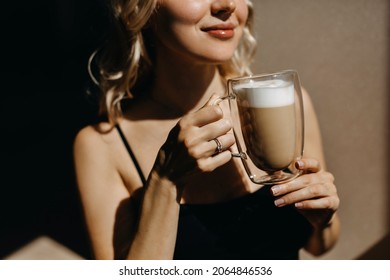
[95, 139]
[97, 133]
[97, 153]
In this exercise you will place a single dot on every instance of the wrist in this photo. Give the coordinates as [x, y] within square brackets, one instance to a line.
[163, 186]
[327, 223]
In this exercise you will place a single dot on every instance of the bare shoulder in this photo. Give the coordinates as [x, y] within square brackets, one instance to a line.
[94, 153]
[101, 187]
[96, 142]
[99, 135]
[307, 102]
[100, 157]
[313, 139]
[308, 107]
[309, 110]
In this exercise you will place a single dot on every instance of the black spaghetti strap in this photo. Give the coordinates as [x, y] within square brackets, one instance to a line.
[128, 148]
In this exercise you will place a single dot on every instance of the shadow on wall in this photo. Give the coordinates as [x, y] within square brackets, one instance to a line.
[380, 251]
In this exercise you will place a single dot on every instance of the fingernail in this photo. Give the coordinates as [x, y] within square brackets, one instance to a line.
[299, 164]
[275, 190]
[298, 205]
[279, 202]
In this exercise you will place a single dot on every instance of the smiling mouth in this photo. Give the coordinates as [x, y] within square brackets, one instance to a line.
[223, 32]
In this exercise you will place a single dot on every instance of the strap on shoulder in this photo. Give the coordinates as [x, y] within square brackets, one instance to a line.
[130, 151]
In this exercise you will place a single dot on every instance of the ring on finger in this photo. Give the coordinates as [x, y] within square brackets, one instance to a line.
[219, 147]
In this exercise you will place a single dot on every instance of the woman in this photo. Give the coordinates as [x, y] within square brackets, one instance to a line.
[153, 181]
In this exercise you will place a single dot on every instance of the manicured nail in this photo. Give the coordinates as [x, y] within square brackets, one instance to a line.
[279, 202]
[298, 205]
[275, 190]
[299, 164]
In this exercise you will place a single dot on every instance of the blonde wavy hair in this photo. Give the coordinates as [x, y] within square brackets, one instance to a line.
[125, 62]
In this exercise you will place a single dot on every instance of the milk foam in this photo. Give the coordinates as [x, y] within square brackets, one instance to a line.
[264, 94]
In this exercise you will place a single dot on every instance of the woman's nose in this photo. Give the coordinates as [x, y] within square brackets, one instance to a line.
[223, 8]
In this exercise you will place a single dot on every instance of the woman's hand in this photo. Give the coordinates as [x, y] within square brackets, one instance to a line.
[313, 193]
[191, 147]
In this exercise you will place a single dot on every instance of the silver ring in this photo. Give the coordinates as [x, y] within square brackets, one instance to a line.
[219, 147]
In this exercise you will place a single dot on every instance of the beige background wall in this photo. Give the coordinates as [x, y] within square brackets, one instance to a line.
[341, 50]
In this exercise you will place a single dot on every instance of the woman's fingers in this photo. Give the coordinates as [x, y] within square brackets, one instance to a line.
[195, 135]
[313, 193]
[331, 203]
[302, 182]
[314, 189]
[202, 117]
[207, 114]
[199, 142]
[215, 99]
[208, 164]
[210, 148]
[308, 165]
[206, 132]
[320, 192]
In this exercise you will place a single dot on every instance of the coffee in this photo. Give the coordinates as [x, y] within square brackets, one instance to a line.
[267, 117]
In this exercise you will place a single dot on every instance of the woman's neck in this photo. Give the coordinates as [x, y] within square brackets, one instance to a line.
[184, 87]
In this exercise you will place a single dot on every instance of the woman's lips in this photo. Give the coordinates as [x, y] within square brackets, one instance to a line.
[222, 31]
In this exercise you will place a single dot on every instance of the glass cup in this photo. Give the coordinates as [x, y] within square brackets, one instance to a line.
[268, 124]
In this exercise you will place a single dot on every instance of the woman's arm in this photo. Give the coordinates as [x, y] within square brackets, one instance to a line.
[122, 223]
[119, 227]
[189, 149]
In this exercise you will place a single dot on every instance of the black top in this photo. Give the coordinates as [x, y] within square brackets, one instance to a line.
[248, 227]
